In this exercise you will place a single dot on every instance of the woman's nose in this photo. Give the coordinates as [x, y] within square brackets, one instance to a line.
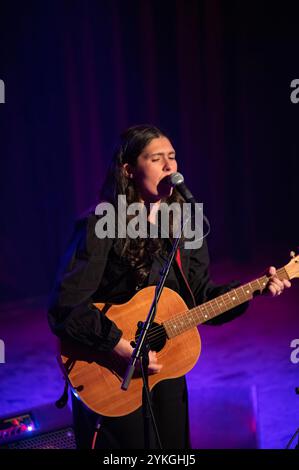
[167, 166]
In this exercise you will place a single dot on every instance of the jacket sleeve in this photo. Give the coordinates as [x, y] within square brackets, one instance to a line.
[71, 313]
[203, 287]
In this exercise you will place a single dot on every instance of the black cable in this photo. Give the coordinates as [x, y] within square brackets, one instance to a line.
[96, 432]
[292, 438]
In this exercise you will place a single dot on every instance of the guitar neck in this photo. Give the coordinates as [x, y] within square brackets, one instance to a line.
[211, 309]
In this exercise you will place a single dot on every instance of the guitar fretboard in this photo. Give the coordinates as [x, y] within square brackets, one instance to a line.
[211, 309]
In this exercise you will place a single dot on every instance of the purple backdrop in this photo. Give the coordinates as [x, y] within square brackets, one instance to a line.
[215, 75]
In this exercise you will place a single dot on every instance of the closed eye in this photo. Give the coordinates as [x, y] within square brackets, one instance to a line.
[158, 158]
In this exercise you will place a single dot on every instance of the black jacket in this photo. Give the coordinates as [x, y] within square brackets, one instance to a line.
[71, 312]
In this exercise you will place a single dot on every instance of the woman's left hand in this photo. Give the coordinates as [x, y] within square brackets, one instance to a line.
[275, 286]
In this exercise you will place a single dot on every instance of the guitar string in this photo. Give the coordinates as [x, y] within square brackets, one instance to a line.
[199, 310]
[209, 308]
[158, 331]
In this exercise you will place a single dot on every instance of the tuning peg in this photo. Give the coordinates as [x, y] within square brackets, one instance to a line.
[292, 254]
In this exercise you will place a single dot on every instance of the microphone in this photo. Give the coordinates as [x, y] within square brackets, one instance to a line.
[177, 180]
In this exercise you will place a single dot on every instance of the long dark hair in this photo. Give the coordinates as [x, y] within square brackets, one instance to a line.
[137, 252]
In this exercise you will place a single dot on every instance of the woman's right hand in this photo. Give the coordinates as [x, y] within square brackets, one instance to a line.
[124, 350]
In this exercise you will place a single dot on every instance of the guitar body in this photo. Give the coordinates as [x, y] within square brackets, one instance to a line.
[97, 377]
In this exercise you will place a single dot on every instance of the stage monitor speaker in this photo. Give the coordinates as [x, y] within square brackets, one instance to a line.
[44, 427]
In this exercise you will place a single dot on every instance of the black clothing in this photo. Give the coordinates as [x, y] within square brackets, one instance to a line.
[170, 408]
[92, 271]
[83, 271]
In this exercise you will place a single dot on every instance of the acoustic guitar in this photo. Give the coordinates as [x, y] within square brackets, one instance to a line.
[97, 377]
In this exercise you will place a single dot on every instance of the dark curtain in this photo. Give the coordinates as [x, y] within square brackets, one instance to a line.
[213, 75]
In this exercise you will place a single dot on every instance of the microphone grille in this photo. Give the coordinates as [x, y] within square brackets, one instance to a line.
[176, 178]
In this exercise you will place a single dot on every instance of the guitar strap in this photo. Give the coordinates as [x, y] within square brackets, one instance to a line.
[179, 264]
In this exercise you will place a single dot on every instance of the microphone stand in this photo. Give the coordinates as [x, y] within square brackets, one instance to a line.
[296, 433]
[142, 347]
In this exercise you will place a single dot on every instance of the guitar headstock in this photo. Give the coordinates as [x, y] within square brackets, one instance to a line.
[292, 268]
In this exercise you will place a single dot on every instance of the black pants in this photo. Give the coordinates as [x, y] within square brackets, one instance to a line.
[170, 406]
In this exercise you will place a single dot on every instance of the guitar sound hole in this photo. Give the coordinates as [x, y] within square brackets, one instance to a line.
[156, 336]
